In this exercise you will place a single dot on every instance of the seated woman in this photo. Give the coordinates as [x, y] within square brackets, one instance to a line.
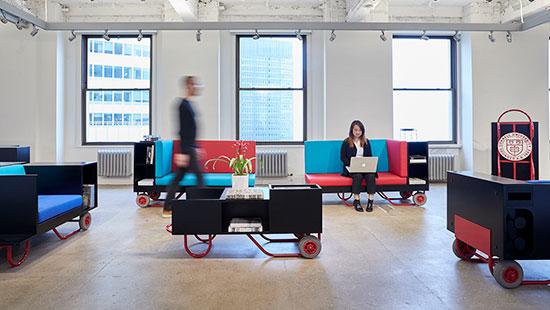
[357, 145]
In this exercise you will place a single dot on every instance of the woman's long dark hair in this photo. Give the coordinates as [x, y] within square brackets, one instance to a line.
[350, 138]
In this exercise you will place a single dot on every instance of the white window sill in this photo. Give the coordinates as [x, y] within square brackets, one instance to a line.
[445, 146]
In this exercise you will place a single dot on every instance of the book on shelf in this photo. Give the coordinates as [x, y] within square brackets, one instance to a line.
[245, 225]
[416, 181]
[418, 159]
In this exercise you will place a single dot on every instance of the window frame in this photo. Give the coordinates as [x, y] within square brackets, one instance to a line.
[453, 89]
[304, 87]
[85, 89]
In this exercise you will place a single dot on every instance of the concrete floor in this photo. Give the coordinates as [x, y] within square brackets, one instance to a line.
[390, 259]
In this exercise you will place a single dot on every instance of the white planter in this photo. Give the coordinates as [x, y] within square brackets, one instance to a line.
[239, 181]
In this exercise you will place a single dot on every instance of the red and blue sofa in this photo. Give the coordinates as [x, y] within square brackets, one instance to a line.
[36, 199]
[214, 176]
[323, 167]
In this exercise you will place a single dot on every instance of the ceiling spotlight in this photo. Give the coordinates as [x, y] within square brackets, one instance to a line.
[3, 17]
[140, 36]
[458, 36]
[72, 36]
[492, 36]
[383, 36]
[34, 30]
[424, 36]
[19, 24]
[299, 34]
[509, 36]
[332, 36]
[256, 35]
[106, 35]
[198, 36]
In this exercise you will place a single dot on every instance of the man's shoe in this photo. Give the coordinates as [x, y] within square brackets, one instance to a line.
[357, 206]
[166, 213]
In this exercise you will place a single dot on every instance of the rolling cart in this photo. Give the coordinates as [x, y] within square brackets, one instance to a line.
[498, 221]
[284, 209]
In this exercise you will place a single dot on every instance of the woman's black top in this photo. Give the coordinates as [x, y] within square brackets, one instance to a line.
[347, 152]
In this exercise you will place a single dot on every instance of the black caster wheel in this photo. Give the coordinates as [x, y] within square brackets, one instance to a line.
[85, 221]
[508, 274]
[143, 201]
[154, 196]
[420, 199]
[463, 250]
[405, 194]
[309, 246]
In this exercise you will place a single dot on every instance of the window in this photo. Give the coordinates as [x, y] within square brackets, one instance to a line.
[116, 90]
[271, 89]
[98, 71]
[127, 49]
[137, 73]
[118, 48]
[424, 88]
[108, 47]
[127, 73]
[118, 72]
[107, 71]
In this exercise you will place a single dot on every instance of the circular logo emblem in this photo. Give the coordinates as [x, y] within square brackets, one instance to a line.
[515, 146]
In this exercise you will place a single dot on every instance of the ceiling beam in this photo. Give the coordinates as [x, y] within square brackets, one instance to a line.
[17, 12]
[187, 9]
[360, 9]
[536, 20]
[372, 26]
[529, 9]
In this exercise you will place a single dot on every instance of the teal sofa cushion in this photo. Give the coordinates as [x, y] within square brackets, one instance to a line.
[12, 170]
[324, 156]
[163, 157]
[210, 179]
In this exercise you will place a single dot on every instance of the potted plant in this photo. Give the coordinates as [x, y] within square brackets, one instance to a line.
[240, 165]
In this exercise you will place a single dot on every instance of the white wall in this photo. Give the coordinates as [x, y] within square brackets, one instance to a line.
[359, 84]
[508, 76]
[27, 89]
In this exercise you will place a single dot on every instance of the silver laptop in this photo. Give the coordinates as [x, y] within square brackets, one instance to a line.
[363, 165]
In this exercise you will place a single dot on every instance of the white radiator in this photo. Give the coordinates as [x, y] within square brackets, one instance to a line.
[439, 164]
[272, 164]
[114, 163]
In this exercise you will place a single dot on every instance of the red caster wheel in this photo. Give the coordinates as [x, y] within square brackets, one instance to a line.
[154, 196]
[143, 201]
[309, 246]
[463, 250]
[405, 194]
[85, 221]
[419, 199]
[508, 274]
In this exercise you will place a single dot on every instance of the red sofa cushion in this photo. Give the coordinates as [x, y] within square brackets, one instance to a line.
[334, 179]
[398, 157]
[214, 149]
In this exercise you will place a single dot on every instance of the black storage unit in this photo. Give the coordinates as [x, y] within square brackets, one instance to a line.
[144, 165]
[418, 151]
[284, 209]
[499, 217]
[15, 153]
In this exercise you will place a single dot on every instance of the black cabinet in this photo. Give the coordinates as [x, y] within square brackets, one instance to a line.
[283, 209]
[15, 153]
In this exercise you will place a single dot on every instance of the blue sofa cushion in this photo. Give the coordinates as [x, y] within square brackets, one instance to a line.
[50, 206]
[324, 156]
[163, 157]
[12, 170]
[210, 179]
